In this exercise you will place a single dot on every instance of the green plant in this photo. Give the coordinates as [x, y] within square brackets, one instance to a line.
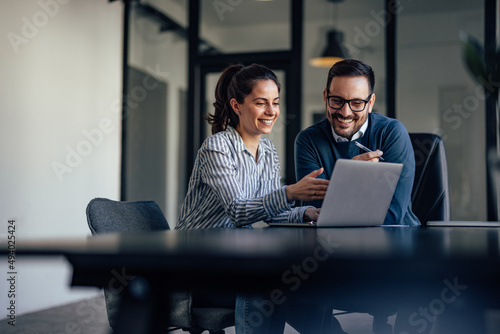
[483, 65]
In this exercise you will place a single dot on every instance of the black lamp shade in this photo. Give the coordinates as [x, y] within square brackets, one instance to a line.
[333, 52]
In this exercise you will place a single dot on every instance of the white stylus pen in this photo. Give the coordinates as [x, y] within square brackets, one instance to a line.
[366, 149]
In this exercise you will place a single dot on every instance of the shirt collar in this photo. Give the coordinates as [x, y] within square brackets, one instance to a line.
[239, 145]
[357, 135]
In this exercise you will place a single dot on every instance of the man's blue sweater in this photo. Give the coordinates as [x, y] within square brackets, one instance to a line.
[315, 147]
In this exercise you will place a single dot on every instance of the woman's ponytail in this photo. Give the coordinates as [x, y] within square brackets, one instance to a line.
[223, 114]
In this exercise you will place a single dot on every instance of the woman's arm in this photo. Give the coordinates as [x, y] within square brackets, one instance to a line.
[221, 172]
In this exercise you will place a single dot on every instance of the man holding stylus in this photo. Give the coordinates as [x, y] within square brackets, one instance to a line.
[352, 131]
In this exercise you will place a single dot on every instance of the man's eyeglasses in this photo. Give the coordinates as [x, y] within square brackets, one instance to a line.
[356, 105]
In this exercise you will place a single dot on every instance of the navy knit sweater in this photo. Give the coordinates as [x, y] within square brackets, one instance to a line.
[315, 147]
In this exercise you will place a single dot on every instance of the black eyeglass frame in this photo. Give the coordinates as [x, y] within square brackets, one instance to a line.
[348, 102]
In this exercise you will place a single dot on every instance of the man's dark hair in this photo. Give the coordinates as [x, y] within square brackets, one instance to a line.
[351, 68]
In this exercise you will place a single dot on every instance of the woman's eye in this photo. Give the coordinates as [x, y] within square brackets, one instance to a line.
[260, 104]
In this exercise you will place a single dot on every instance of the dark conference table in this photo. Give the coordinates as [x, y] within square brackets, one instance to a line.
[432, 269]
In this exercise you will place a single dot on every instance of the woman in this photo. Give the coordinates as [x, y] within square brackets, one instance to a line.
[236, 176]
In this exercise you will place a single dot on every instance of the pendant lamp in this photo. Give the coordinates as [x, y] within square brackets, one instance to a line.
[333, 52]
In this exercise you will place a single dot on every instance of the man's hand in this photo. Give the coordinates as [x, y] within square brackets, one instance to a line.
[311, 214]
[369, 156]
[308, 189]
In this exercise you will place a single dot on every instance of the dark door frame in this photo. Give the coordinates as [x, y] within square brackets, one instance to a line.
[290, 61]
[491, 38]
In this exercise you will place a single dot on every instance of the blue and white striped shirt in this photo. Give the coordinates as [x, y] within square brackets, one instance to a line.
[229, 189]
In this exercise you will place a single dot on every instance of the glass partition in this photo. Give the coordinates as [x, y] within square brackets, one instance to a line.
[435, 93]
[156, 102]
[245, 26]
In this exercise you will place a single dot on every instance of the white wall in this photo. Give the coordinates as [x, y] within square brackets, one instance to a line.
[60, 85]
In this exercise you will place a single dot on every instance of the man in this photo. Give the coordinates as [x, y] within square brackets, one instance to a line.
[349, 100]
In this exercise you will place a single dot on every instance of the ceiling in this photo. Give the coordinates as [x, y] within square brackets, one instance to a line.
[255, 11]
[223, 13]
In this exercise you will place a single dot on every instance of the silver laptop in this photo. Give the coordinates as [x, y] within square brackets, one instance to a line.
[359, 194]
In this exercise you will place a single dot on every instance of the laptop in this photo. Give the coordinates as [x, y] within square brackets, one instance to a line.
[359, 194]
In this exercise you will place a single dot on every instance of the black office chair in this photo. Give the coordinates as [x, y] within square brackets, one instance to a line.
[106, 216]
[430, 195]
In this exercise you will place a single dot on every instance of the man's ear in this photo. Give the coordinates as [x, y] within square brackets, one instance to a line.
[372, 102]
[325, 99]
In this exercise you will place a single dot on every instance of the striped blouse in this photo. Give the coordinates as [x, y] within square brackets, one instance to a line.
[229, 189]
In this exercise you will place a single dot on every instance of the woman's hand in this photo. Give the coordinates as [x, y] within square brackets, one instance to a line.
[311, 214]
[308, 189]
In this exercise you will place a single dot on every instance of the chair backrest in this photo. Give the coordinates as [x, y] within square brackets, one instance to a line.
[105, 216]
[430, 195]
